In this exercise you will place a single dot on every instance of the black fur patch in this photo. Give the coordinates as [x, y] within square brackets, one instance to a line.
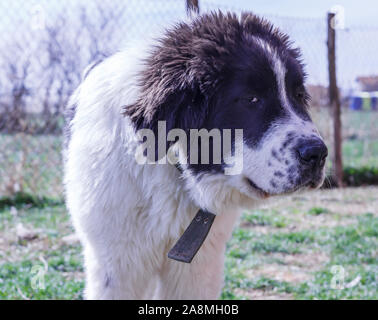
[204, 74]
[278, 174]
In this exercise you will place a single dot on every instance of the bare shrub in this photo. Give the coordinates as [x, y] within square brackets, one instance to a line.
[41, 76]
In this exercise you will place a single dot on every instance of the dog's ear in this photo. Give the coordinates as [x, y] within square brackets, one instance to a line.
[180, 76]
[184, 108]
[175, 92]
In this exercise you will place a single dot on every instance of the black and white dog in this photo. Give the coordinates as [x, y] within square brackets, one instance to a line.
[223, 72]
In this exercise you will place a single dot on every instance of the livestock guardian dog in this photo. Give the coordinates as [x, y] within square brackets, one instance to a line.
[220, 71]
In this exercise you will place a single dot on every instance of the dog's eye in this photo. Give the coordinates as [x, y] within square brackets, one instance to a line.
[250, 100]
[300, 94]
[253, 100]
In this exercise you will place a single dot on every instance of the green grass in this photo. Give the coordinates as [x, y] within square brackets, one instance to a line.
[31, 164]
[351, 248]
[318, 210]
[359, 153]
[274, 253]
[20, 261]
[354, 249]
[265, 218]
[17, 277]
[360, 136]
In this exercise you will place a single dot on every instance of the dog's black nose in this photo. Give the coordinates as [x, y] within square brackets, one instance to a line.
[312, 152]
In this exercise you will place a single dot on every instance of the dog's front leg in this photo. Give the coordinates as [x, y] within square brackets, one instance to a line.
[111, 276]
[203, 277]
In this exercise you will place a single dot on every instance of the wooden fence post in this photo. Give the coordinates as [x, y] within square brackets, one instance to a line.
[334, 101]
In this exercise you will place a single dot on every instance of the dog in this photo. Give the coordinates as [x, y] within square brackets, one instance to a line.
[219, 71]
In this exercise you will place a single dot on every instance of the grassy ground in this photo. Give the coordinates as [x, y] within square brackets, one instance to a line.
[23, 256]
[321, 245]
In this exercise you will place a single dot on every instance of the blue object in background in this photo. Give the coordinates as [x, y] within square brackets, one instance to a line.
[374, 101]
[366, 101]
[355, 103]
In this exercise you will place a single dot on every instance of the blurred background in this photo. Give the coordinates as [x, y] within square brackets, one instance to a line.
[46, 44]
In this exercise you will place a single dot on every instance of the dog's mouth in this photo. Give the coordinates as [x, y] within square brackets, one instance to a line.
[262, 193]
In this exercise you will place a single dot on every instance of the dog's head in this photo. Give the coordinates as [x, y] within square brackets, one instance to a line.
[228, 72]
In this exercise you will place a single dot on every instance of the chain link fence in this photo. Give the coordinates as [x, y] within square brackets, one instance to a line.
[46, 45]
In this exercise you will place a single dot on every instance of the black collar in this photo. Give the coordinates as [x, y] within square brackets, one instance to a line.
[193, 237]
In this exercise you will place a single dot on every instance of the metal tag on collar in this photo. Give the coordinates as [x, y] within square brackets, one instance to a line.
[193, 237]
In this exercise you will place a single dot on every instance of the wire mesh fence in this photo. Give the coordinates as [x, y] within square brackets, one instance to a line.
[46, 45]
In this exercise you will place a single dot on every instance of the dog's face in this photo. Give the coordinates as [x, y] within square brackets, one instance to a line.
[224, 72]
[265, 96]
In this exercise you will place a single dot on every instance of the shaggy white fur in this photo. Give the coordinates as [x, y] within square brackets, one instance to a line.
[128, 215]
